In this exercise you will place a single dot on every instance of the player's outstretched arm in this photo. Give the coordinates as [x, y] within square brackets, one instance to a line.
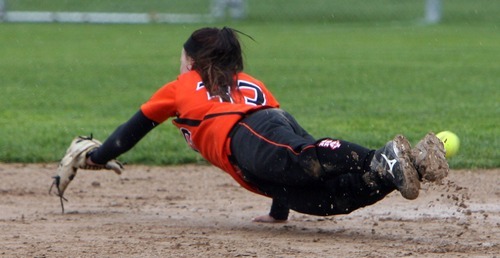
[122, 139]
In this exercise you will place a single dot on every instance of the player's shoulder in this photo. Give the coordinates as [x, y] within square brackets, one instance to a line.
[191, 76]
[247, 77]
[243, 76]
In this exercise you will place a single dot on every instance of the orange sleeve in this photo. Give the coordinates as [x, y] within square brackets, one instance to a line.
[162, 104]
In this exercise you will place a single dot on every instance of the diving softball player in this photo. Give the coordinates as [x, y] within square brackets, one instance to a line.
[235, 123]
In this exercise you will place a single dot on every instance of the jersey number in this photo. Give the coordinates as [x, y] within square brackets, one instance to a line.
[252, 93]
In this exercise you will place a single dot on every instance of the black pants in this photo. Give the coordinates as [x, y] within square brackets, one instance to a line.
[319, 177]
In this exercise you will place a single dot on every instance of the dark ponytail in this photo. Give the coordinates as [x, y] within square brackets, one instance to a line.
[217, 58]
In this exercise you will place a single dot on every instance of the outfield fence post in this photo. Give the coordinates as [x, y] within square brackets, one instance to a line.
[3, 10]
[433, 11]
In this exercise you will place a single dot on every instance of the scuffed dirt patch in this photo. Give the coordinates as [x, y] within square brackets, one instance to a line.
[198, 211]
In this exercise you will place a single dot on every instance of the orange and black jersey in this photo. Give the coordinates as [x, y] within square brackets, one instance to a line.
[205, 120]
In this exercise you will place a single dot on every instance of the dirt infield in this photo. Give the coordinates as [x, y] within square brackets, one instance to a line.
[198, 211]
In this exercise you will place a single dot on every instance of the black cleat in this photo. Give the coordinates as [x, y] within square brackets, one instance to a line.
[393, 163]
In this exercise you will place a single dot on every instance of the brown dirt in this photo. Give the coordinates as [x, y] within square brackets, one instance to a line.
[198, 211]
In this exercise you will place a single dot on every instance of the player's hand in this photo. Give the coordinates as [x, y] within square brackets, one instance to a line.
[267, 219]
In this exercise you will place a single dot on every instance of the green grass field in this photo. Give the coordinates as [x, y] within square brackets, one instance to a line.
[363, 82]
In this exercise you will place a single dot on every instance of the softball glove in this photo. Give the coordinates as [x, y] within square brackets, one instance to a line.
[74, 159]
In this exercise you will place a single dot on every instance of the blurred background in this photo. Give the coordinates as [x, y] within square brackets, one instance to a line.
[269, 11]
[362, 71]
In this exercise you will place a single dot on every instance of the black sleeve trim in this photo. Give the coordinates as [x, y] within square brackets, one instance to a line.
[123, 138]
